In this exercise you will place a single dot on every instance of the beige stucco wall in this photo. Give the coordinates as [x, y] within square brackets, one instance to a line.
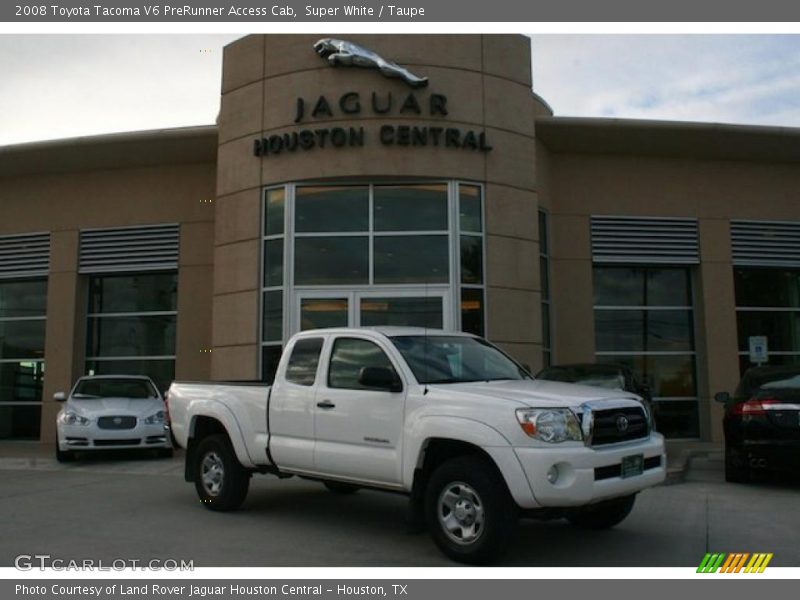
[487, 80]
[63, 204]
[713, 191]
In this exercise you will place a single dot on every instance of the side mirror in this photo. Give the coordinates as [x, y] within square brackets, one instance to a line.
[722, 397]
[60, 397]
[381, 378]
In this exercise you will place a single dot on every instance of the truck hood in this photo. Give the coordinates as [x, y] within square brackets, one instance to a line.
[119, 407]
[534, 393]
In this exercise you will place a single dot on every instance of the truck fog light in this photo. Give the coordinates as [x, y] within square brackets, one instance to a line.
[552, 474]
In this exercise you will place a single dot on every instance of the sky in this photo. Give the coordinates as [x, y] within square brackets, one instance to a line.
[57, 86]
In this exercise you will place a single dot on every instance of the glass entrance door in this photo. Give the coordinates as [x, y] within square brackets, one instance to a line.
[374, 308]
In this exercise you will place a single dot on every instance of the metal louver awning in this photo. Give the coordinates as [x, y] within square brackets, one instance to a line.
[766, 243]
[145, 248]
[24, 255]
[644, 240]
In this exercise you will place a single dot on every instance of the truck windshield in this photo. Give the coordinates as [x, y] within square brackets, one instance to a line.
[138, 389]
[455, 359]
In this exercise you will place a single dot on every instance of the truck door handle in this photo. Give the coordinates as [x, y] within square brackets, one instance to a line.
[326, 404]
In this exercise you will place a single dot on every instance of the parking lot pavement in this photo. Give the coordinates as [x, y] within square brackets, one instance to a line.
[142, 509]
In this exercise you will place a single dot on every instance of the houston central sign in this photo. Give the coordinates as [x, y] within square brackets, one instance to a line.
[313, 133]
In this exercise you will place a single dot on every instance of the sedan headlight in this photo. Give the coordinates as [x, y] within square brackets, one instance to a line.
[552, 425]
[70, 417]
[157, 419]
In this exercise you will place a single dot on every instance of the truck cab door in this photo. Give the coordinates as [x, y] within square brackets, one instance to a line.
[291, 407]
[358, 428]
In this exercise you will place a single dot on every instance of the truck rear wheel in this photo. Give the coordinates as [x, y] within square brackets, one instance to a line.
[603, 515]
[469, 511]
[220, 480]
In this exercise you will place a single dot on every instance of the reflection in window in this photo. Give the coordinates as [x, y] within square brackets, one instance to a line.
[411, 259]
[402, 311]
[319, 313]
[274, 220]
[411, 208]
[331, 209]
[471, 249]
[23, 310]
[302, 366]
[349, 356]
[644, 320]
[331, 260]
[131, 325]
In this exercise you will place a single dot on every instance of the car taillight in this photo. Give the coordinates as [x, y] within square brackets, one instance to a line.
[753, 406]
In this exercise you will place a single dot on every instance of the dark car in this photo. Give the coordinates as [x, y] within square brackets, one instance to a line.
[762, 423]
[605, 375]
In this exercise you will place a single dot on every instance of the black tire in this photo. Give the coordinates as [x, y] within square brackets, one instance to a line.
[734, 471]
[228, 488]
[603, 515]
[476, 490]
[64, 456]
[343, 489]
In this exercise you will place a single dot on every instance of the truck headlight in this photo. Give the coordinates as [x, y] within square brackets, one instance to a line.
[156, 419]
[70, 417]
[553, 425]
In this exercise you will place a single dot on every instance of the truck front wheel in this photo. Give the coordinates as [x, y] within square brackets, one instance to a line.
[603, 515]
[221, 481]
[469, 511]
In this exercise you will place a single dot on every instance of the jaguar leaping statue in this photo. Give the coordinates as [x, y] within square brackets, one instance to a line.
[342, 52]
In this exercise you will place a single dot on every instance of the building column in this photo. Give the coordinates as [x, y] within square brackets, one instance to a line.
[571, 295]
[717, 344]
[64, 336]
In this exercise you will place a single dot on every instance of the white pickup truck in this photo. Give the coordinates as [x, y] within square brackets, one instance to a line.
[446, 418]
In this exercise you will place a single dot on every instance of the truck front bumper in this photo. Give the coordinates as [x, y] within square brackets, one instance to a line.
[581, 475]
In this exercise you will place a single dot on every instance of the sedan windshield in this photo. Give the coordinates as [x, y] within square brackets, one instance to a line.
[138, 389]
[455, 359]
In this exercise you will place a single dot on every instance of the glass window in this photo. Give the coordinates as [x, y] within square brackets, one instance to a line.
[410, 208]
[472, 310]
[656, 343]
[471, 259]
[162, 372]
[21, 381]
[273, 263]
[133, 293]
[138, 389]
[782, 329]
[641, 286]
[455, 359]
[331, 209]
[302, 366]
[273, 316]
[668, 376]
[762, 287]
[22, 339]
[331, 260]
[270, 358]
[23, 298]
[274, 203]
[402, 312]
[131, 336]
[349, 356]
[469, 208]
[411, 259]
[23, 306]
[644, 330]
[137, 342]
[319, 313]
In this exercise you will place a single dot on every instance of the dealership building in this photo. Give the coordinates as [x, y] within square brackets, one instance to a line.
[436, 190]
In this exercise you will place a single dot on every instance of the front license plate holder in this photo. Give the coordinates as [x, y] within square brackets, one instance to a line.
[632, 466]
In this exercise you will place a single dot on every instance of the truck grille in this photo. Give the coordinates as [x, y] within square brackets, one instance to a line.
[116, 422]
[619, 425]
